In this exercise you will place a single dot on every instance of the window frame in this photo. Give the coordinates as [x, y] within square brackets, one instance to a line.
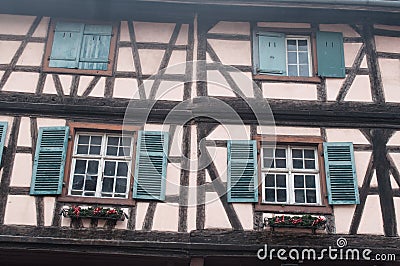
[296, 141]
[111, 56]
[289, 33]
[81, 127]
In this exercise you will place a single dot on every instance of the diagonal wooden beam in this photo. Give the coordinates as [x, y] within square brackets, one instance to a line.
[91, 86]
[58, 85]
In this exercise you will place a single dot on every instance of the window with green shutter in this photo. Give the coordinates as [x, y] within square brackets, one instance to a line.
[341, 173]
[272, 53]
[81, 47]
[330, 54]
[151, 165]
[3, 133]
[49, 161]
[242, 182]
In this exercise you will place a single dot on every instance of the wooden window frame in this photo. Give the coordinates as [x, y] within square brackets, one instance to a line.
[59, 70]
[75, 127]
[316, 141]
[314, 78]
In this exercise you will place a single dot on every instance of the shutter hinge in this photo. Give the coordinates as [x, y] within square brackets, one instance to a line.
[69, 137]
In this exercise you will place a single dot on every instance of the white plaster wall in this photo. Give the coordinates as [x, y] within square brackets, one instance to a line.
[344, 28]
[387, 27]
[173, 179]
[192, 193]
[230, 132]
[20, 210]
[98, 90]
[371, 220]
[161, 222]
[302, 131]
[126, 88]
[122, 224]
[16, 25]
[150, 60]
[343, 217]
[232, 52]
[49, 122]
[50, 88]
[141, 209]
[49, 204]
[22, 170]
[22, 82]
[345, 135]
[244, 80]
[32, 55]
[217, 85]
[387, 44]
[8, 49]
[183, 35]
[125, 59]
[156, 127]
[397, 208]
[219, 158]
[362, 159]
[396, 159]
[215, 213]
[245, 213]
[283, 25]
[390, 72]
[170, 91]
[24, 134]
[41, 30]
[175, 149]
[153, 32]
[124, 31]
[332, 88]
[176, 64]
[350, 52]
[360, 90]
[229, 27]
[394, 139]
[289, 91]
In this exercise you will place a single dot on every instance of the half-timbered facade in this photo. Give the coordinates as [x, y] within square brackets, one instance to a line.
[184, 133]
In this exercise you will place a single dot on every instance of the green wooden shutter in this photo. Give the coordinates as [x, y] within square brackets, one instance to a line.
[95, 47]
[272, 53]
[242, 171]
[151, 165]
[330, 54]
[3, 133]
[66, 45]
[48, 166]
[340, 170]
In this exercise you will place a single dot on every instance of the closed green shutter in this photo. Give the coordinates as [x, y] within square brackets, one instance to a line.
[242, 171]
[341, 176]
[272, 53]
[66, 45]
[151, 165]
[95, 47]
[48, 166]
[3, 133]
[330, 54]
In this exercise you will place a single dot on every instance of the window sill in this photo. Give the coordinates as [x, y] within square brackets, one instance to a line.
[90, 200]
[264, 77]
[60, 70]
[295, 209]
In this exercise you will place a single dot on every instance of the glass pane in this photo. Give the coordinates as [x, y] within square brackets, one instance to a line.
[268, 152]
[280, 153]
[90, 183]
[270, 195]
[298, 181]
[309, 164]
[292, 70]
[268, 163]
[302, 45]
[95, 150]
[108, 184]
[281, 195]
[270, 181]
[120, 187]
[113, 141]
[83, 140]
[297, 153]
[292, 58]
[304, 71]
[109, 168]
[82, 149]
[123, 151]
[309, 154]
[299, 196]
[291, 45]
[311, 196]
[93, 167]
[112, 150]
[78, 182]
[303, 58]
[280, 163]
[122, 169]
[126, 141]
[91, 194]
[80, 167]
[298, 164]
[310, 181]
[95, 140]
[280, 180]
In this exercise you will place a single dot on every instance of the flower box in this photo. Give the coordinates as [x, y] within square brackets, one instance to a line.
[304, 222]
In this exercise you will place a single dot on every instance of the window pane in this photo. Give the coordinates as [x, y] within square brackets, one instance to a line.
[281, 195]
[298, 181]
[113, 141]
[280, 163]
[109, 168]
[96, 140]
[270, 181]
[80, 167]
[108, 184]
[91, 182]
[112, 150]
[83, 140]
[291, 45]
[298, 164]
[93, 167]
[123, 151]
[120, 187]
[280, 153]
[309, 154]
[311, 196]
[268, 152]
[292, 70]
[77, 182]
[303, 58]
[296, 153]
[82, 149]
[304, 71]
[268, 163]
[310, 181]
[95, 150]
[270, 195]
[292, 58]
[302, 45]
[280, 180]
[122, 169]
[126, 141]
[299, 196]
[309, 164]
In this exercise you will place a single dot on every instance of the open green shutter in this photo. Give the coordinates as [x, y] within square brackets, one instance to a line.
[242, 171]
[272, 53]
[330, 54]
[48, 166]
[341, 176]
[95, 47]
[66, 45]
[3, 133]
[151, 165]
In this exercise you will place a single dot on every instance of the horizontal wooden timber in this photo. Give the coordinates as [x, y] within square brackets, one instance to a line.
[152, 45]
[389, 55]
[285, 112]
[174, 244]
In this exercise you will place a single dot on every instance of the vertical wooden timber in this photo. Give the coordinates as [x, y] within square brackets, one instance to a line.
[74, 86]
[148, 219]
[184, 178]
[8, 166]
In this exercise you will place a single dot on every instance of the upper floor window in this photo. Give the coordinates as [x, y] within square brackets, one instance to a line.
[75, 47]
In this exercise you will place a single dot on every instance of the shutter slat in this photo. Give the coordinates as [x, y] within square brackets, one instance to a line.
[242, 171]
[340, 173]
[48, 166]
[272, 53]
[151, 165]
[330, 54]
[3, 133]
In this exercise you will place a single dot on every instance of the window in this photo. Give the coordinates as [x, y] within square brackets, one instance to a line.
[101, 165]
[290, 174]
[75, 47]
[295, 54]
